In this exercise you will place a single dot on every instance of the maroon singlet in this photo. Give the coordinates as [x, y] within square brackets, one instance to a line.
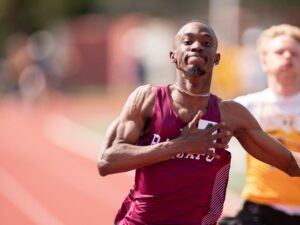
[185, 190]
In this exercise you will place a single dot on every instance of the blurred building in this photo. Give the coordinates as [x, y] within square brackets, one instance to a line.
[88, 36]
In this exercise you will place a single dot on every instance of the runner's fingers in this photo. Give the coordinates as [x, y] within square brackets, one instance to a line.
[220, 145]
[217, 126]
[195, 120]
[222, 134]
[211, 153]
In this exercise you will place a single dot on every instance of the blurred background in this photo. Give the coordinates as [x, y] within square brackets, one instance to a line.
[66, 68]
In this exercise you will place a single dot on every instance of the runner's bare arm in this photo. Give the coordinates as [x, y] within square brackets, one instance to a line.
[120, 153]
[258, 143]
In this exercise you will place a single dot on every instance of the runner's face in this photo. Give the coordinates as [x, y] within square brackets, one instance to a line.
[195, 49]
[282, 59]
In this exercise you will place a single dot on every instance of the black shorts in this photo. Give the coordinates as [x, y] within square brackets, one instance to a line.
[257, 214]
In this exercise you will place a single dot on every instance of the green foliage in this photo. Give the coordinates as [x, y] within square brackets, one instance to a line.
[275, 4]
[31, 15]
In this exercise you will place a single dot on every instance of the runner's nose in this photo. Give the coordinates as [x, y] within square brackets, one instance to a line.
[197, 47]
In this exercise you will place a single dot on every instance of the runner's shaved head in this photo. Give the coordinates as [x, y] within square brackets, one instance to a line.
[184, 29]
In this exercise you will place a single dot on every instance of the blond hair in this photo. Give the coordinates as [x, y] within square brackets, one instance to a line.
[275, 31]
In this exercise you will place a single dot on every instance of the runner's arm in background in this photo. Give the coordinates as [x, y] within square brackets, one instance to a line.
[258, 143]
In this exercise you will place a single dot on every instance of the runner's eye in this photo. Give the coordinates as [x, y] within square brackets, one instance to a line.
[188, 42]
[206, 44]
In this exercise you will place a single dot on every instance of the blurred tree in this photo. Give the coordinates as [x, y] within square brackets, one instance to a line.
[271, 3]
[31, 15]
[270, 12]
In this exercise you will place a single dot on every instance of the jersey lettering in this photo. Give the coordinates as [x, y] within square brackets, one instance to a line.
[156, 139]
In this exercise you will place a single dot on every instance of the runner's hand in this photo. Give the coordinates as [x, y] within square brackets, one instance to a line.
[202, 141]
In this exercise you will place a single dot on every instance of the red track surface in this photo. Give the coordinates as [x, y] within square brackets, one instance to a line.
[44, 183]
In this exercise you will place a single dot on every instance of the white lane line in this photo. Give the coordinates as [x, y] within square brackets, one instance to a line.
[73, 137]
[11, 189]
[77, 139]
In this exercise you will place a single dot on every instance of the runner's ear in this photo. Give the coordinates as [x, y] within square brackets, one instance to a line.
[217, 59]
[173, 57]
